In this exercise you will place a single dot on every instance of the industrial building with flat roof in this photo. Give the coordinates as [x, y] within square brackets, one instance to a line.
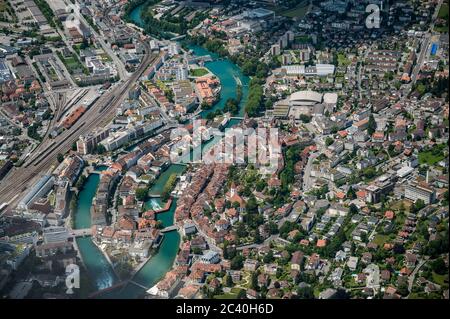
[314, 70]
[43, 186]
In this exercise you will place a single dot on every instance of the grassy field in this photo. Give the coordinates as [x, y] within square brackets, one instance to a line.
[302, 39]
[299, 11]
[3, 5]
[230, 295]
[7, 13]
[397, 205]
[416, 295]
[380, 239]
[106, 57]
[198, 72]
[72, 63]
[439, 279]
[441, 29]
[52, 74]
[429, 158]
[443, 14]
[342, 60]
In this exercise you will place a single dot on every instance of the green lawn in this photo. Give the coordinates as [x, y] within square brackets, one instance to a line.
[299, 11]
[443, 14]
[443, 11]
[416, 295]
[302, 39]
[52, 74]
[77, 48]
[3, 6]
[380, 239]
[226, 296]
[439, 279]
[398, 204]
[230, 295]
[343, 60]
[72, 63]
[316, 292]
[106, 57]
[441, 29]
[429, 158]
[199, 72]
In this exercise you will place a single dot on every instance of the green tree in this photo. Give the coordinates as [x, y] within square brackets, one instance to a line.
[351, 193]
[251, 206]
[60, 157]
[237, 262]
[353, 209]
[273, 228]
[328, 141]
[141, 194]
[305, 292]
[372, 125]
[100, 149]
[438, 266]
[305, 118]
[268, 258]
[241, 294]
[168, 187]
[254, 280]
[228, 281]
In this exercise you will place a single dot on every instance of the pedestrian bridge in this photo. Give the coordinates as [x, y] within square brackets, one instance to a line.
[168, 229]
[88, 232]
[81, 232]
[138, 284]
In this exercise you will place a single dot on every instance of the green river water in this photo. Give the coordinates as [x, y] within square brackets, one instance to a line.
[100, 271]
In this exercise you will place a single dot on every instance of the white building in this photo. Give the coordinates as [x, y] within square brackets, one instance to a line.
[416, 191]
[174, 48]
[314, 70]
[55, 234]
[210, 257]
[42, 187]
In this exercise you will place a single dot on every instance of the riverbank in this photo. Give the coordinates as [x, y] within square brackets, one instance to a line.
[98, 266]
[155, 268]
[230, 77]
[105, 254]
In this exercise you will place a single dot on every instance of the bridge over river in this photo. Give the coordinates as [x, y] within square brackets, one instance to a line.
[88, 231]
[80, 232]
[168, 229]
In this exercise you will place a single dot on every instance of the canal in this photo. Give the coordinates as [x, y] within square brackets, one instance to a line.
[157, 266]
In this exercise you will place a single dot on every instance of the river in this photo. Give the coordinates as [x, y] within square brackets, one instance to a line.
[101, 273]
[98, 267]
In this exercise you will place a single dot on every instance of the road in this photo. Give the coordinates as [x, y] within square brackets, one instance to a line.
[117, 62]
[100, 114]
[413, 274]
[307, 179]
[211, 244]
[166, 118]
[360, 70]
[424, 47]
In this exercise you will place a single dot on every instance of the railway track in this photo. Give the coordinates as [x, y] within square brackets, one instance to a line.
[21, 178]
